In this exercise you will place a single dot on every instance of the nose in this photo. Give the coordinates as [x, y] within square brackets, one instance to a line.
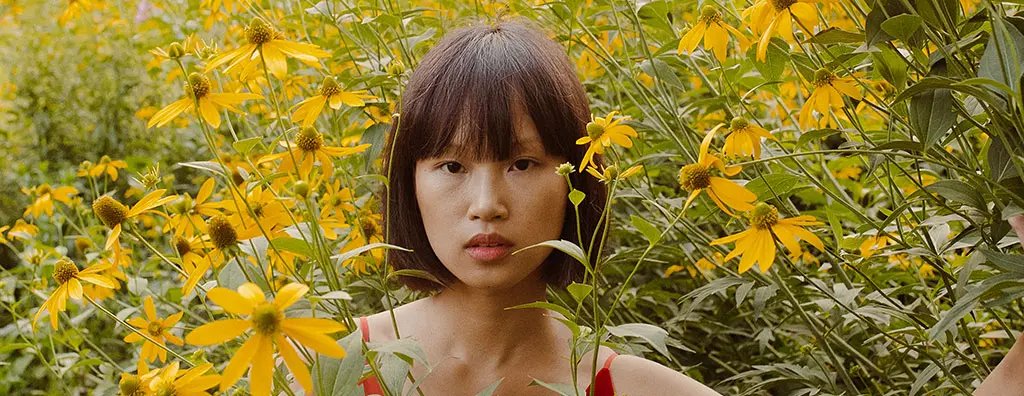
[487, 197]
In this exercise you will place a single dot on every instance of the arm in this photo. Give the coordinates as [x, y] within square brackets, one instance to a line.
[636, 376]
[1008, 376]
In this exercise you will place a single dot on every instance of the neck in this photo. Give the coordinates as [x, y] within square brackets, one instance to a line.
[484, 329]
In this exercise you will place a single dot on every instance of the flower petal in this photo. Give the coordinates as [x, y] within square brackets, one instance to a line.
[217, 332]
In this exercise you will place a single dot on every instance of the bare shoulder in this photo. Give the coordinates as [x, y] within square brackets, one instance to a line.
[381, 325]
[634, 375]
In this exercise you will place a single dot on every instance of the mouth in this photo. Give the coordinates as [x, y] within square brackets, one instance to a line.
[488, 247]
[489, 252]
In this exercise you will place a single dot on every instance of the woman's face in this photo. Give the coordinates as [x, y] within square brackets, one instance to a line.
[522, 200]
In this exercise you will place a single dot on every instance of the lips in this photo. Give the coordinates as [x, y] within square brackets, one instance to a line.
[488, 247]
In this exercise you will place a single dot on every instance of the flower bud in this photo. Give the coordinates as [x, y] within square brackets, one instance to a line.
[175, 51]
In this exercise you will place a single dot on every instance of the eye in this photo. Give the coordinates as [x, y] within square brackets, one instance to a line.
[522, 164]
[451, 166]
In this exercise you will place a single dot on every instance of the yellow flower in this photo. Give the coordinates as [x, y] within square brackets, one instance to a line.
[198, 96]
[174, 382]
[113, 213]
[308, 110]
[156, 328]
[70, 279]
[714, 32]
[827, 95]
[768, 16]
[873, 244]
[757, 244]
[270, 327]
[365, 231]
[307, 148]
[186, 213]
[602, 132]
[702, 264]
[107, 166]
[266, 42]
[45, 195]
[744, 138]
[610, 173]
[75, 7]
[725, 193]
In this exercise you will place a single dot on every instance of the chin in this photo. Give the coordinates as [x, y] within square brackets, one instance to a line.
[495, 278]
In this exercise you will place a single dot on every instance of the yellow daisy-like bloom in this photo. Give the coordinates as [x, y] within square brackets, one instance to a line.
[198, 96]
[45, 195]
[270, 326]
[113, 213]
[770, 16]
[725, 193]
[107, 166]
[75, 8]
[172, 381]
[744, 138]
[70, 279]
[331, 93]
[157, 329]
[602, 132]
[610, 173]
[757, 244]
[714, 31]
[365, 231]
[267, 42]
[186, 214]
[828, 95]
[873, 244]
[307, 148]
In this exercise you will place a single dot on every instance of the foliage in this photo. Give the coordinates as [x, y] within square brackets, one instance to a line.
[887, 135]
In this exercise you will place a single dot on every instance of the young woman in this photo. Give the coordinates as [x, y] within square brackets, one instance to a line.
[486, 118]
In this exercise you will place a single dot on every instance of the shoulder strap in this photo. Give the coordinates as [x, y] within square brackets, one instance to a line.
[608, 362]
[364, 327]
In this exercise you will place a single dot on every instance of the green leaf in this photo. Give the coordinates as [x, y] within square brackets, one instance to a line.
[293, 245]
[776, 184]
[561, 389]
[1011, 263]
[579, 291]
[902, 26]
[816, 134]
[651, 233]
[576, 196]
[931, 115]
[546, 305]
[661, 70]
[1003, 54]
[343, 257]
[414, 273]
[245, 145]
[958, 191]
[489, 390]
[654, 335]
[1000, 161]
[834, 35]
[208, 166]
[339, 377]
[567, 247]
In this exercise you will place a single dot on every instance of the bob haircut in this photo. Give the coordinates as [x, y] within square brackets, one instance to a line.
[464, 92]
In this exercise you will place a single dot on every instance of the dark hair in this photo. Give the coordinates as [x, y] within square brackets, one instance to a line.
[465, 90]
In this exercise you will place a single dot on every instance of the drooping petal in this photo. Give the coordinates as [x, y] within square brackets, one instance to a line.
[168, 113]
[74, 289]
[209, 112]
[295, 365]
[316, 325]
[262, 372]
[690, 40]
[319, 342]
[217, 331]
[242, 359]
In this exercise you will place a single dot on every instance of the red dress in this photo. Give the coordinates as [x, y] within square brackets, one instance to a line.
[603, 380]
